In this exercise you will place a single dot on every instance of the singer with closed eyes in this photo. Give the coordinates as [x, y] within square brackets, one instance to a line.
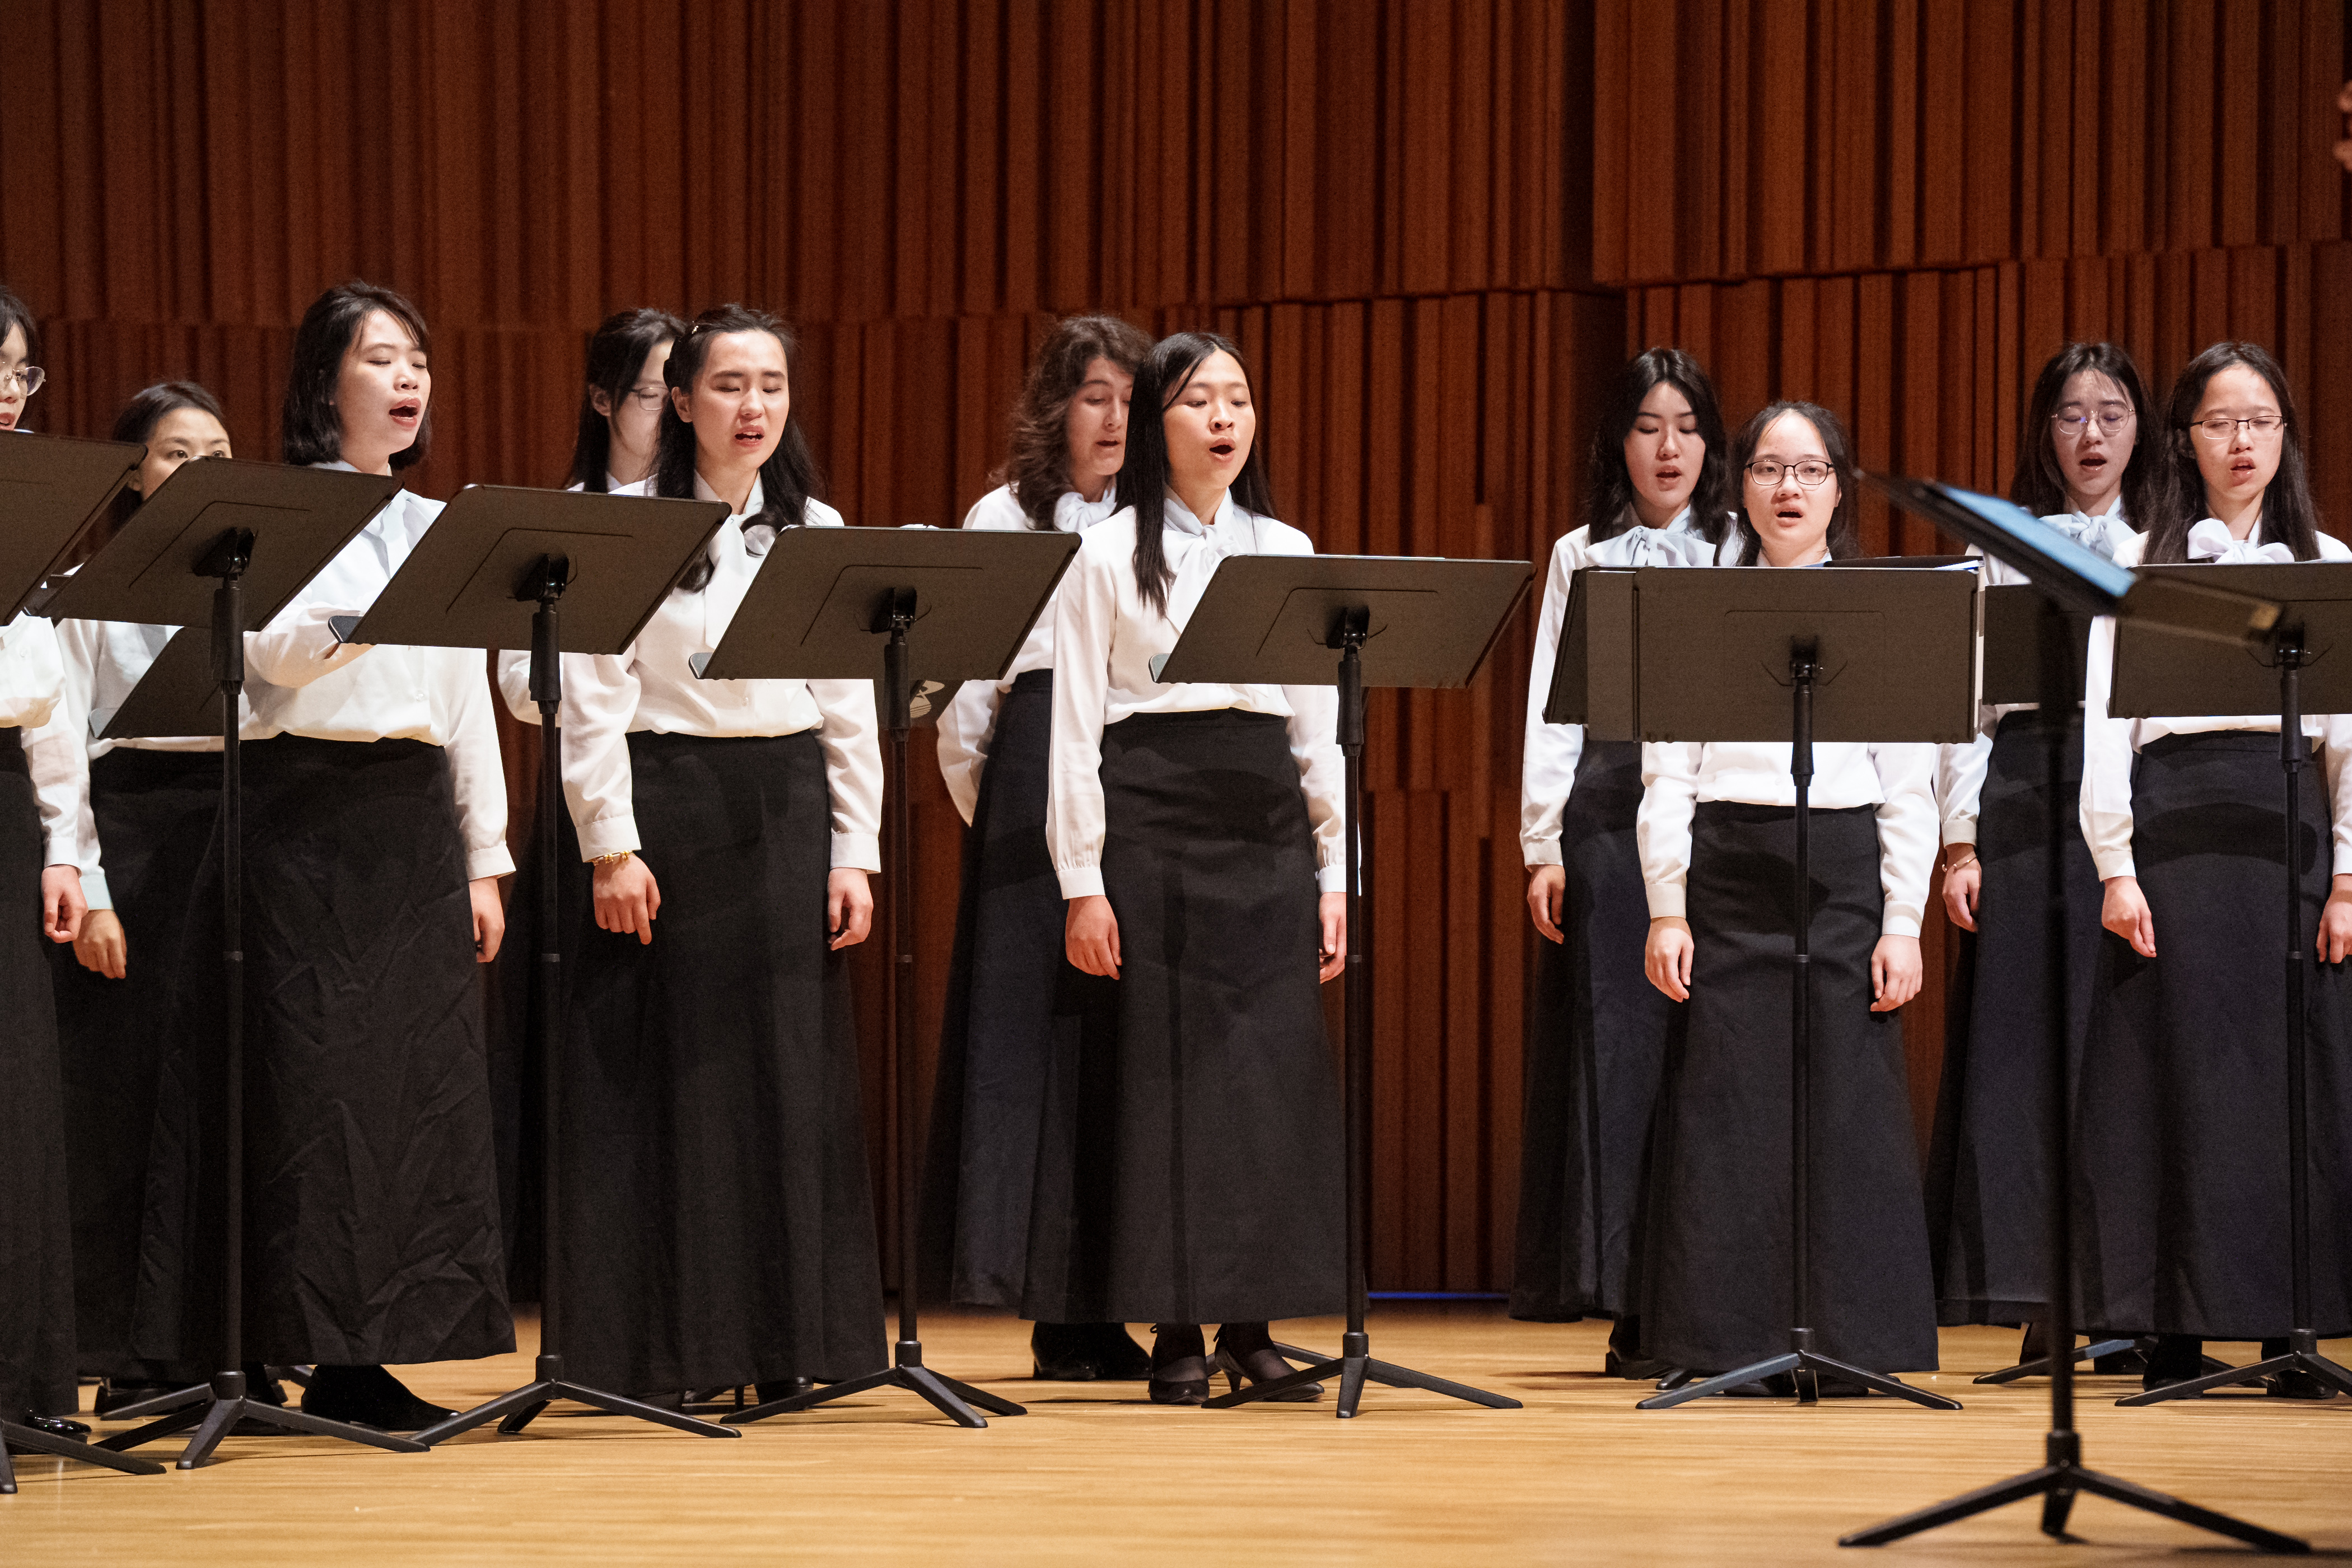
[716, 1225]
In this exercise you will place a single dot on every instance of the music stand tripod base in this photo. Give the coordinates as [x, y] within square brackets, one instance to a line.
[950, 1396]
[2302, 1355]
[15, 1439]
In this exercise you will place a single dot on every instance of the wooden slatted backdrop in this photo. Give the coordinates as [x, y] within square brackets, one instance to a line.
[1437, 226]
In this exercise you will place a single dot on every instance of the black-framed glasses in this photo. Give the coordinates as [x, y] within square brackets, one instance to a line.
[1812, 475]
[2110, 421]
[2221, 428]
[28, 376]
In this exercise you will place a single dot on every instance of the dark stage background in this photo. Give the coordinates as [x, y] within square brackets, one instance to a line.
[1435, 225]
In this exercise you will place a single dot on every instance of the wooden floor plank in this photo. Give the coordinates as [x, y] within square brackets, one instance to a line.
[1096, 1474]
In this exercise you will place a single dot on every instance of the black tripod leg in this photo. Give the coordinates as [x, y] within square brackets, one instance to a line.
[2115, 1489]
[1390, 1375]
[2328, 1371]
[1876, 1383]
[887, 1378]
[1250, 1393]
[1293, 1352]
[533, 1395]
[2223, 1378]
[522, 1416]
[1352, 1385]
[32, 1440]
[994, 1405]
[7, 1470]
[2058, 1506]
[287, 1419]
[178, 1421]
[2039, 1365]
[1967, 1505]
[164, 1403]
[621, 1405]
[922, 1380]
[218, 1420]
[1722, 1383]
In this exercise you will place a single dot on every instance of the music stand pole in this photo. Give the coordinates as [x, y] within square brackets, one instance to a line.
[1354, 1364]
[1800, 1360]
[2061, 1477]
[214, 1410]
[2303, 1345]
[950, 1396]
[518, 1407]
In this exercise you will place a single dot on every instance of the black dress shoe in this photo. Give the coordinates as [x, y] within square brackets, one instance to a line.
[55, 1425]
[1180, 1364]
[2123, 1363]
[777, 1388]
[368, 1397]
[1639, 1369]
[2177, 1358]
[1246, 1350]
[1068, 1353]
[1116, 1357]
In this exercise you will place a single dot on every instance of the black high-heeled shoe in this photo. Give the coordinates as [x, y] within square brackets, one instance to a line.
[1246, 1350]
[1180, 1364]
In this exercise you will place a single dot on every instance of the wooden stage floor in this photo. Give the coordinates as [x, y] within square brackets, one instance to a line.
[1095, 1474]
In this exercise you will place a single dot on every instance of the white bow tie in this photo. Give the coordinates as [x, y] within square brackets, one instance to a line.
[2212, 541]
[2102, 535]
[1655, 547]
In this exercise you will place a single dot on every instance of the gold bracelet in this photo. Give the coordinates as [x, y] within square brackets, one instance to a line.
[1950, 865]
[613, 859]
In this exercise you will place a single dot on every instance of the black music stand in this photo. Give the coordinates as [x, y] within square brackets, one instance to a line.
[2159, 675]
[50, 487]
[1738, 654]
[224, 544]
[2068, 578]
[489, 575]
[906, 607]
[1392, 621]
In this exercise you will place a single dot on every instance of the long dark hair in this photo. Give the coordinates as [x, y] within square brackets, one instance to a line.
[2290, 516]
[1609, 486]
[1145, 477]
[14, 312]
[1844, 536]
[310, 430]
[1038, 463]
[616, 355]
[2040, 484]
[136, 424]
[788, 479]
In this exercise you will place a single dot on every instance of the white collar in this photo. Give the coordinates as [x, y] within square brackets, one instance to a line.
[751, 504]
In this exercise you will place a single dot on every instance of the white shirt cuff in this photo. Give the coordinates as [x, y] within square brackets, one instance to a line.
[1079, 882]
[492, 862]
[1665, 899]
[1539, 852]
[609, 836]
[858, 852]
[1332, 878]
[95, 890]
[1899, 920]
[2115, 863]
[1960, 830]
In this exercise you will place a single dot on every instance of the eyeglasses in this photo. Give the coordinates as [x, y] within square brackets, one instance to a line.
[1812, 475]
[2221, 428]
[2110, 421]
[28, 376]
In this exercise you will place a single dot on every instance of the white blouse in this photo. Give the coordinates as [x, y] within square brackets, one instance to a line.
[2109, 744]
[32, 693]
[104, 660]
[301, 681]
[967, 724]
[651, 686]
[1961, 769]
[1105, 637]
[1551, 753]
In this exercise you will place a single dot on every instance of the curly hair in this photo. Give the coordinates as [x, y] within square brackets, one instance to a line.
[1037, 467]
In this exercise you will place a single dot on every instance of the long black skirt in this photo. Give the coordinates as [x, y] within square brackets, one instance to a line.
[1717, 1273]
[1988, 1182]
[2184, 1147]
[371, 1225]
[1596, 1050]
[715, 1218]
[155, 812]
[1015, 1009]
[1191, 1167]
[36, 1277]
